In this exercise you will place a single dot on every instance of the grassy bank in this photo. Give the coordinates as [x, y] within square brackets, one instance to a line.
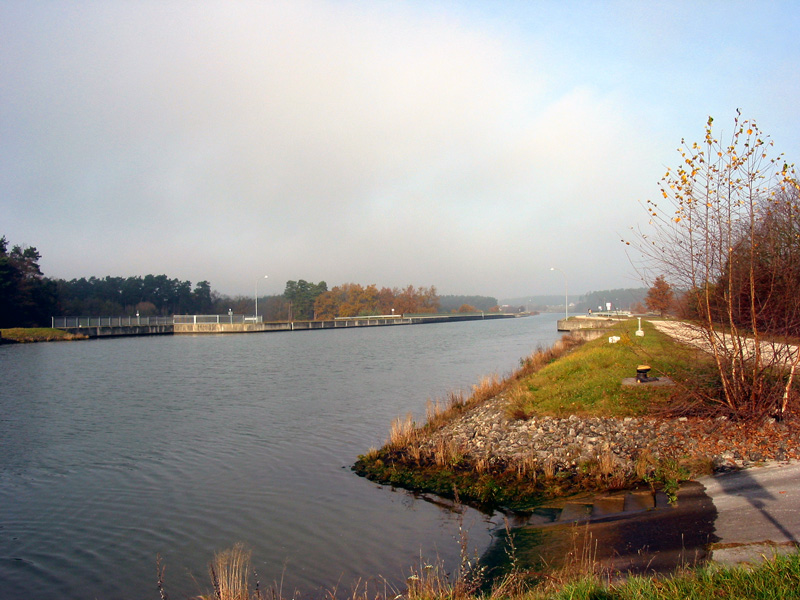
[37, 334]
[776, 579]
[572, 378]
[587, 381]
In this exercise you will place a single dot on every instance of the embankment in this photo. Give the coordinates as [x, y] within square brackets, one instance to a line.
[496, 459]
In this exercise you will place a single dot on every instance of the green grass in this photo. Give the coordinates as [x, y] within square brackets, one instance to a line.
[37, 334]
[775, 579]
[587, 382]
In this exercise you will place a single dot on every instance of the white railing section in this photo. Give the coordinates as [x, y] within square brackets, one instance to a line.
[134, 321]
[69, 322]
[229, 318]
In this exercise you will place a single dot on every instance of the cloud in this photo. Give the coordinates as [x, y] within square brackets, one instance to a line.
[391, 143]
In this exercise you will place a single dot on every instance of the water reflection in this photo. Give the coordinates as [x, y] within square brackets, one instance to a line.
[115, 451]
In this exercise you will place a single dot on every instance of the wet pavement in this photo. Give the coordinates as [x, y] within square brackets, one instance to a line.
[732, 518]
[625, 532]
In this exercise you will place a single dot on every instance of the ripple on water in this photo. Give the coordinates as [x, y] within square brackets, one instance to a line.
[115, 451]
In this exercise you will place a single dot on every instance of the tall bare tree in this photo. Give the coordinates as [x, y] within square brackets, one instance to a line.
[710, 234]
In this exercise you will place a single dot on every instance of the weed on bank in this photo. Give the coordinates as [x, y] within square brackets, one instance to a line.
[37, 334]
[777, 578]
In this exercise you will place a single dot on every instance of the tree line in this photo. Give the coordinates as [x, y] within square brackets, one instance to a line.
[452, 303]
[29, 299]
[354, 300]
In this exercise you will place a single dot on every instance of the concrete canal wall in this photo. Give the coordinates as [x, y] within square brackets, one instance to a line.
[588, 328]
[222, 327]
[218, 325]
[119, 330]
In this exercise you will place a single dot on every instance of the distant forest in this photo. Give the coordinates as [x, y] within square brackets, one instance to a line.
[621, 299]
[29, 299]
[450, 304]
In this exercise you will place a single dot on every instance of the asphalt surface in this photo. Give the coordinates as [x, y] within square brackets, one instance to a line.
[758, 512]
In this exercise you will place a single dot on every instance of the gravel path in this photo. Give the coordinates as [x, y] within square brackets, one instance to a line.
[687, 333]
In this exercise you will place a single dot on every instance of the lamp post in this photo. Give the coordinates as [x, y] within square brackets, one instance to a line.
[566, 304]
[257, 280]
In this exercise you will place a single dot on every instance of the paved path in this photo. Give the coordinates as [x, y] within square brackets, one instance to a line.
[758, 512]
[772, 353]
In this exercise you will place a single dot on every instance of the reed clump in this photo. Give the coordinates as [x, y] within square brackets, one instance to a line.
[403, 432]
[230, 575]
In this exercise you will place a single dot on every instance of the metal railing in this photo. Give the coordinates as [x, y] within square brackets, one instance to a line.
[133, 321]
[70, 322]
[229, 318]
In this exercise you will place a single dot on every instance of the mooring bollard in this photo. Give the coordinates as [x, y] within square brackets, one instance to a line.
[642, 374]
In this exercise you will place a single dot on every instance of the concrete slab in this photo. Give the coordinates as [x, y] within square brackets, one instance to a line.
[608, 505]
[573, 512]
[760, 504]
[748, 554]
[662, 381]
[639, 500]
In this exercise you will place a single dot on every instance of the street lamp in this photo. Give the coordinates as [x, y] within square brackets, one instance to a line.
[566, 305]
[257, 280]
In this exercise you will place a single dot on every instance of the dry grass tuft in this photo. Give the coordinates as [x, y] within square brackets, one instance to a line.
[415, 452]
[607, 462]
[487, 388]
[646, 463]
[446, 452]
[482, 465]
[528, 467]
[403, 432]
[229, 574]
[549, 468]
[581, 560]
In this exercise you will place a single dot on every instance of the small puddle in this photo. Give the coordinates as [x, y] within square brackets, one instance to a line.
[656, 540]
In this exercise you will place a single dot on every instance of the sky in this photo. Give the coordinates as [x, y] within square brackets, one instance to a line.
[470, 146]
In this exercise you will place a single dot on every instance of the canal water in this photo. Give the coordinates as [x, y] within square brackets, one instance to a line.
[113, 452]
